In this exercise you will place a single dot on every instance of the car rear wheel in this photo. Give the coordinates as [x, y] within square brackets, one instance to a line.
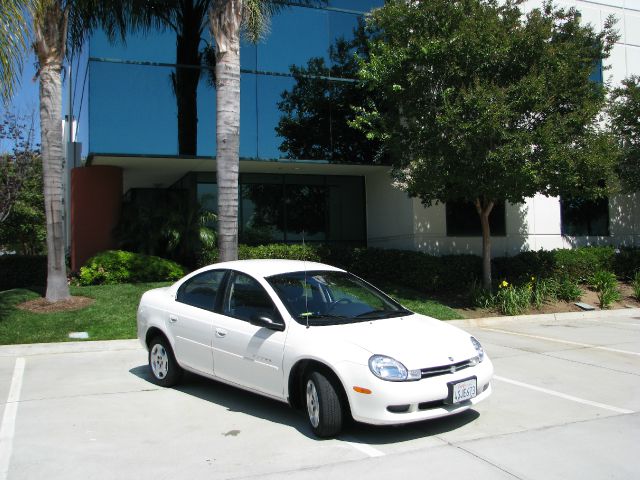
[324, 408]
[164, 369]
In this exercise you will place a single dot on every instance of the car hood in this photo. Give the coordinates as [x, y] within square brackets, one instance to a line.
[417, 341]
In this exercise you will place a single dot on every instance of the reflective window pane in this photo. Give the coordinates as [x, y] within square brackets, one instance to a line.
[296, 34]
[584, 217]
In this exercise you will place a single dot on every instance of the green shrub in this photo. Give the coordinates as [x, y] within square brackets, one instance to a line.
[564, 288]
[117, 266]
[274, 250]
[579, 264]
[635, 284]
[542, 290]
[511, 299]
[627, 262]
[279, 250]
[606, 286]
[520, 268]
[19, 271]
[480, 297]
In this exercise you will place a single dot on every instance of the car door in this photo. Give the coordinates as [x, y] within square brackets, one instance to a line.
[243, 353]
[191, 320]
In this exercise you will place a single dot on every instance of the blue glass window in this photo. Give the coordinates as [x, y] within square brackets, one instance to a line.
[596, 74]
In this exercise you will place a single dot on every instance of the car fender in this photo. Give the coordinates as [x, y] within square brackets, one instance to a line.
[298, 349]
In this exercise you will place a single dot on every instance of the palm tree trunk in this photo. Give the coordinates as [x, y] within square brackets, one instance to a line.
[53, 177]
[225, 18]
[51, 35]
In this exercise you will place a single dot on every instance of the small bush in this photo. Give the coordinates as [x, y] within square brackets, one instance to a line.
[606, 286]
[541, 291]
[627, 263]
[480, 297]
[274, 250]
[512, 300]
[19, 271]
[565, 288]
[279, 250]
[579, 264]
[117, 266]
[635, 284]
[520, 268]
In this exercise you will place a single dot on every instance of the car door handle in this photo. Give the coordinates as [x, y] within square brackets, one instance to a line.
[221, 333]
[173, 318]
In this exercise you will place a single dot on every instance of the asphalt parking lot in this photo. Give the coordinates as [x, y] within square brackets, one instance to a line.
[566, 404]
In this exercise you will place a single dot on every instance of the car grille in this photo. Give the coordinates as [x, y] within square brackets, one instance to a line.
[446, 369]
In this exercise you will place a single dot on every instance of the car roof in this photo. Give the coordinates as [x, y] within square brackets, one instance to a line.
[268, 267]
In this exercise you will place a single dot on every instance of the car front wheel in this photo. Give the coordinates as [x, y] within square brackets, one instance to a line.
[165, 370]
[324, 409]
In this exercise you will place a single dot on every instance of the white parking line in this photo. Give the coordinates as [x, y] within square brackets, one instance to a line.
[364, 448]
[563, 395]
[8, 426]
[556, 340]
[619, 324]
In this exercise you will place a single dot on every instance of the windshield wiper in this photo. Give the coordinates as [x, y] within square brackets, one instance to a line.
[375, 314]
[314, 316]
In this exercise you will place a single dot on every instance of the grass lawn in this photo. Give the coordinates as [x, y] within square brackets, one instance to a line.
[113, 315]
[420, 303]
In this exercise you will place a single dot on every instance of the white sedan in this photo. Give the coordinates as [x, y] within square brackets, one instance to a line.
[316, 337]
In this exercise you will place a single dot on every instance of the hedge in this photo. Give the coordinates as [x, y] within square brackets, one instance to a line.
[19, 271]
[421, 271]
[118, 266]
[430, 273]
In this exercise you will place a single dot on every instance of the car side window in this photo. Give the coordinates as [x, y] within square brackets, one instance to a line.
[201, 290]
[246, 298]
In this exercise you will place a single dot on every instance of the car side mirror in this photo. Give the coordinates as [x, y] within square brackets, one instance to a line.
[267, 321]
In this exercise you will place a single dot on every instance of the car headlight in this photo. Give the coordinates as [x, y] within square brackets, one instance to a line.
[387, 368]
[479, 349]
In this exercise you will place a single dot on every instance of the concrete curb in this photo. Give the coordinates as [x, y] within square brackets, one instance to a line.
[31, 349]
[549, 317]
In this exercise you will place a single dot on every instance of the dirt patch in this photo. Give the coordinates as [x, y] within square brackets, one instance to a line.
[588, 296]
[42, 305]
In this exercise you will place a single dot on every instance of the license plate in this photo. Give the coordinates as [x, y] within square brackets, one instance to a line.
[461, 391]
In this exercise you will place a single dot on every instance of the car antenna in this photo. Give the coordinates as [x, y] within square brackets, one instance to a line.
[304, 291]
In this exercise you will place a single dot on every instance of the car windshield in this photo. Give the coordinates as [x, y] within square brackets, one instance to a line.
[330, 298]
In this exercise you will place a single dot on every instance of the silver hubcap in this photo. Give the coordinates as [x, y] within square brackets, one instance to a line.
[159, 360]
[313, 405]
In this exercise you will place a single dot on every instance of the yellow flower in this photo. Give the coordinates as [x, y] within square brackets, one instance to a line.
[533, 279]
[504, 284]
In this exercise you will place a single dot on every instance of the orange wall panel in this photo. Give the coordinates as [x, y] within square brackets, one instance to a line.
[96, 199]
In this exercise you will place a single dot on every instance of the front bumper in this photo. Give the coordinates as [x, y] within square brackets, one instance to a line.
[423, 399]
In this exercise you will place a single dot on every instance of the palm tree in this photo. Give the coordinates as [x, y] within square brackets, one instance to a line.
[55, 24]
[227, 19]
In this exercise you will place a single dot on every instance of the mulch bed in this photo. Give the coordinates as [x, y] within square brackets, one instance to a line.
[42, 305]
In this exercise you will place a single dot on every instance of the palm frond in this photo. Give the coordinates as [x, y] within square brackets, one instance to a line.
[14, 39]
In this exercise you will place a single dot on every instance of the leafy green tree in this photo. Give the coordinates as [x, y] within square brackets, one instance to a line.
[24, 229]
[16, 166]
[319, 107]
[483, 103]
[624, 113]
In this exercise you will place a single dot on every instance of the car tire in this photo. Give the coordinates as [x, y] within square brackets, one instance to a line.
[165, 371]
[324, 408]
